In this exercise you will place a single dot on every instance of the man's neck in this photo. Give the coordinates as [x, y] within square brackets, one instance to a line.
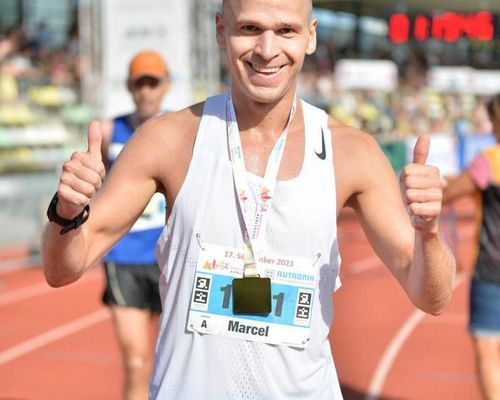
[267, 119]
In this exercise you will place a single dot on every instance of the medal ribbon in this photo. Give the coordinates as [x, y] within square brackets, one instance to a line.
[255, 224]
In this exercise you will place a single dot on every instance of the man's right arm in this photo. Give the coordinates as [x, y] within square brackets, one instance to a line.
[114, 207]
[80, 180]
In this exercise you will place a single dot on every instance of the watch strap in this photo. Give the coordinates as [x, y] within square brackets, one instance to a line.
[67, 224]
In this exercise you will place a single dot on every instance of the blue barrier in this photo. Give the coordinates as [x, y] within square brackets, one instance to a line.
[469, 146]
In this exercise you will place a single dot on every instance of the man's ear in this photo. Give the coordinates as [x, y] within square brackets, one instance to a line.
[311, 42]
[219, 31]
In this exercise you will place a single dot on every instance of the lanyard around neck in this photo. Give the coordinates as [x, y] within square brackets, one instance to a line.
[254, 223]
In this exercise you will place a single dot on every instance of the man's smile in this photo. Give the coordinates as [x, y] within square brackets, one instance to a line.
[265, 70]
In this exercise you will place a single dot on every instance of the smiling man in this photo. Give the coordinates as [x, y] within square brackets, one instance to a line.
[253, 175]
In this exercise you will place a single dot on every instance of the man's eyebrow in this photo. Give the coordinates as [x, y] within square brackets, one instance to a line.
[276, 24]
[246, 21]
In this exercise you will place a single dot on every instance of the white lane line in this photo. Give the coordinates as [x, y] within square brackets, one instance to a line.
[38, 289]
[385, 363]
[10, 266]
[53, 335]
[11, 269]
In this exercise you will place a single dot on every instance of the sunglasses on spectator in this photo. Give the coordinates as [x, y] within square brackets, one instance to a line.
[146, 81]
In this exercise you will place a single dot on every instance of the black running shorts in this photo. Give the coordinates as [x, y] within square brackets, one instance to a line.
[132, 285]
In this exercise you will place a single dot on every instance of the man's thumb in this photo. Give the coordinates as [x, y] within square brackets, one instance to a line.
[94, 139]
[421, 149]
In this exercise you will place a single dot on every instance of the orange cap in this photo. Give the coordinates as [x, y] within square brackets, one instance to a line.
[147, 63]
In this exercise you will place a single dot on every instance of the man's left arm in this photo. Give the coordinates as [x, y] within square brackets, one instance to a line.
[431, 276]
[402, 224]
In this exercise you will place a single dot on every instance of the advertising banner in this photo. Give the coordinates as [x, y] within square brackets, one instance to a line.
[120, 28]
[451, 79]
[366, 75]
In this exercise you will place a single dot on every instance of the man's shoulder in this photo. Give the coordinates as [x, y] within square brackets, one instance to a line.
[175, 123]
[357, 155]
[192, 111]
[360, 164]
[165, 142]
[347, 136]
[172, 133]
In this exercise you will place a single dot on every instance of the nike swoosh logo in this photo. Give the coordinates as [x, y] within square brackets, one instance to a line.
[322, 155]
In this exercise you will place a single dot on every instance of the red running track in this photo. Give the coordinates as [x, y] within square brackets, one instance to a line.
[386, 349]
[58, 344]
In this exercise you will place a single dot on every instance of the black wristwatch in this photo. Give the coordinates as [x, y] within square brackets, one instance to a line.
[67, 224]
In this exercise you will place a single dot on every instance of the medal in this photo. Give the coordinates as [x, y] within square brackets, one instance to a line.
[252, 295]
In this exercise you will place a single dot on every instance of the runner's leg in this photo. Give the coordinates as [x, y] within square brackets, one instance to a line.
[133, 327]
[488, 366]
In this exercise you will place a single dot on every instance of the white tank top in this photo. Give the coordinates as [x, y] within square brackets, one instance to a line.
[302, 223]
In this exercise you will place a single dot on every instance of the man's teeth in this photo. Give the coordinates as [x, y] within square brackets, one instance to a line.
[266, 70]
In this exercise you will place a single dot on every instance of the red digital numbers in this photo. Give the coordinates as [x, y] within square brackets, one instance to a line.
[399, 28]
[448, 26]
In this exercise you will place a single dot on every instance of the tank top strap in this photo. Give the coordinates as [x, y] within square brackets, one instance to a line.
[318, 138]
[211, 134]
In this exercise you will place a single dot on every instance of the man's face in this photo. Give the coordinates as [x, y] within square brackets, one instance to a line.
[147, 93]
[265, 42]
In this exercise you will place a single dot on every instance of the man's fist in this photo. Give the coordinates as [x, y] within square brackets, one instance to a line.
[422, 188]
[81, 176]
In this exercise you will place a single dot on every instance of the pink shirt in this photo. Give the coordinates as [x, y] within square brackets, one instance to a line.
[480, 171]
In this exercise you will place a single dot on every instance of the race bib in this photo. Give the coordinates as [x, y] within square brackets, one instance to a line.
[293, 285]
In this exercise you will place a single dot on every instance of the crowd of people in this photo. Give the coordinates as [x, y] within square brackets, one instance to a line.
[34, 75]
[27, 62]
[395, 115]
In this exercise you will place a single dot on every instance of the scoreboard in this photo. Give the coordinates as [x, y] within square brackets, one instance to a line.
[446, 26]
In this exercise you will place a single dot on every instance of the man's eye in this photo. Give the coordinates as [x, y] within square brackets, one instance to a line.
[249, 28]
[286, 31]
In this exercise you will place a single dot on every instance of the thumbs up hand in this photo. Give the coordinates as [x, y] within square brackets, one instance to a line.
[422, 188]
[82, 175]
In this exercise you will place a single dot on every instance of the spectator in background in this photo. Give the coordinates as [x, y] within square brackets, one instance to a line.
[9, 89]
[481, 119]
[9, 48]
[131, 269]
[41, 41]
[74, 56]
[11, 42]
[482, 179]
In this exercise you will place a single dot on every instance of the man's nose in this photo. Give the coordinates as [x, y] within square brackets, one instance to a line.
[267, 45]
